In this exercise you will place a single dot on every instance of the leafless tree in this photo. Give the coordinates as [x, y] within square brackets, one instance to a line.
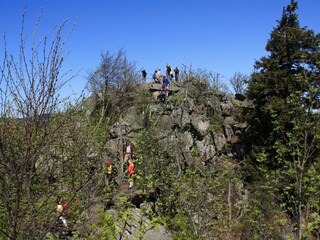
[113, 82]
[33, 122]
[215, 80]
[238, 82]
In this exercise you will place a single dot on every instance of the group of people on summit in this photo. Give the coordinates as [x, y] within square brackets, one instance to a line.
[170, 74]
[165, 81]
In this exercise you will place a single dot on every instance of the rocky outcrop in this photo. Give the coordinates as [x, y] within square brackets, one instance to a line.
[204, 129]
[120, 129]
[137, 225]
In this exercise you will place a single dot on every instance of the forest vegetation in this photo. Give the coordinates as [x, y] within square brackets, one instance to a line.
[210, 163]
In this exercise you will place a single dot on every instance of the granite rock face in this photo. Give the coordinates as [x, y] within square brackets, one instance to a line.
[203, 129]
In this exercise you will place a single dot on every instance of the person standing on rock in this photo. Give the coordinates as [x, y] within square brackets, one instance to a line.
[154, 76]
[130, 173]
[128, 150]
[168, 71]
[176, 74]
[144, 74]
[158, 75]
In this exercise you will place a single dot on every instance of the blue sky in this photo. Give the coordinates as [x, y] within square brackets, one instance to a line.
[223, 36]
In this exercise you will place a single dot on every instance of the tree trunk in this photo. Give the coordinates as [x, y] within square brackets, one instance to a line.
[300, 176]
[229, 205]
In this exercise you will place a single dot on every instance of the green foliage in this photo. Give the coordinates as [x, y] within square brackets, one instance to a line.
[143, 98]
[263, 218]
[282, 171]
[216, 123]
[284, 120]
[198, 90]
[203, 205]
[177, 100]
[156, 171]
[107, 226]
[180, 227]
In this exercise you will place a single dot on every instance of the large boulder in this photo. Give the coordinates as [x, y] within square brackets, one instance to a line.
[240, 97]
[213, 106]
[229, 133]
[227, 108]
[137, 225]
[206, 149]
[135, 120]
[164, 125]
[120, 129]
[185, 142]
[181, 117]
[219, 140]
[229, 121]
[200, 124]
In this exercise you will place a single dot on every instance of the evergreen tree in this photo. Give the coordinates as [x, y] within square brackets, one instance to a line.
[285, 130]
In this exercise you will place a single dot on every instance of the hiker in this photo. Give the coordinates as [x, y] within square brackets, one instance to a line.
[176, 74]
[154, 76]
[144, 74]
[59, 209]
[66, 210]
[168, 71]
[128, 150]
[166, 84]
[162, 93]
[158, 75]
[130, 172]
[59, 213]
[108, 175]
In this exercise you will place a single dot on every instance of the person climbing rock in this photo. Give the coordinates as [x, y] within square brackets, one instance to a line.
[130, 173]
[59, 209]
[162, 93]
[128, 149]
[59, 213]
[66, 210]
[108, 176]
[166, 84]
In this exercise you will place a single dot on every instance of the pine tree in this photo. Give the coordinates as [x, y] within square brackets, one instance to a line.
[285, 119]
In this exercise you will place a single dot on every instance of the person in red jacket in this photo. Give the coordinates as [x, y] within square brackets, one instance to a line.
[130, 172]
[66, 209]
